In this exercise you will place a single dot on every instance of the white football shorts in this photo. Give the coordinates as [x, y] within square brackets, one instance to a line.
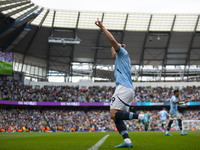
[122, 98]
[174, 116]
[163, 121]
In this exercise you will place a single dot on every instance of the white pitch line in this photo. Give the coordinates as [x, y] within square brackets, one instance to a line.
[99, 143]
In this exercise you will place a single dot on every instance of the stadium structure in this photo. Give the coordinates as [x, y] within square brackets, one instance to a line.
[47, 42]
[41, 43]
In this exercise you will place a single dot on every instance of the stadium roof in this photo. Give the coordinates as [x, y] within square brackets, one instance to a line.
[151, 39]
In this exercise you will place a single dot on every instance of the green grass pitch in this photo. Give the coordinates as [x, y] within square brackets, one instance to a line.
[5, 68]
[84, 141]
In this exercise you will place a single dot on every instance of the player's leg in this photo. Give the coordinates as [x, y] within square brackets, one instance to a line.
[115, 107]
[121, 101]
[118, 116]
[180, 126]
[119, 107]
[161, 121]
[169, 127]
[124, 115]
[121, 127]
[164, 125]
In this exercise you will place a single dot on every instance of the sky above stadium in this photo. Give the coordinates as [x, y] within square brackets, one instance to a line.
[141, 6]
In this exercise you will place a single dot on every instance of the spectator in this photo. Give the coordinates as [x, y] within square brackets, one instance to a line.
[17, 91]
[73, 121]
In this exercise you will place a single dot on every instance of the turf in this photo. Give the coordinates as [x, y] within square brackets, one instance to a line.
[6, 68]
[83, 141]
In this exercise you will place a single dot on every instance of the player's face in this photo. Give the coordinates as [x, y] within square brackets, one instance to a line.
[177, 94]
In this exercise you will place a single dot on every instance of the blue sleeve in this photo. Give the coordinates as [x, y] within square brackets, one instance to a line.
[121, 51]
[174, 99]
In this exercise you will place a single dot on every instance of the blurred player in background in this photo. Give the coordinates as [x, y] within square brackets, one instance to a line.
[124, 92]
[174, 101]
[163, 118]
[2, 56]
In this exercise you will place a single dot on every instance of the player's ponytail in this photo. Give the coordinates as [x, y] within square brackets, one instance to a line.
[123, 45]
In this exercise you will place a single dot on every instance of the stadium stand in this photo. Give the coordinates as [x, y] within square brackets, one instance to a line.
[161, 46]
[57, 120]
[17, 91]
[64, 120]
[39, 45]
[31, 119]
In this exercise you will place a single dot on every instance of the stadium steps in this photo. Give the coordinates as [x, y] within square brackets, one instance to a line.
[40, 97]
[48, 124]
[87, 118]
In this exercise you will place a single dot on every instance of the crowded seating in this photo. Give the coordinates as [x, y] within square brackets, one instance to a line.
[17, 91]
[57, 120]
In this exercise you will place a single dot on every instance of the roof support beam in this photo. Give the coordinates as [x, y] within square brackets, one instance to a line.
[152, 59]
[96, 51]
[9, 2]
[191, 42]
[49, 45]
[144, 46]
[195, 47]
[32, 38]
[13, 6]
[187, 62]
[156, 48]
[167, 47]
[73, 46]
[7, 22]
[19, 10]
[123, 32]
[176, 53]
[12, 32]
[33, 9]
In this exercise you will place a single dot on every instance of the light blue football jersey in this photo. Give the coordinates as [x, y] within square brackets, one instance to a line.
[173, 107]
[122, 70]
[163, 115]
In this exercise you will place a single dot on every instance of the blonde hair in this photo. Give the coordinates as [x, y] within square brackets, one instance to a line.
[122, 45]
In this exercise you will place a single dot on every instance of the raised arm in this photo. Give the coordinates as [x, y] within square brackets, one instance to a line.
[109, 36]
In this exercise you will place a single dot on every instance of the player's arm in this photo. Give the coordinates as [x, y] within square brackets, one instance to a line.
[158, 114]
[109, 36]
[114, 53]
[167, 115]
[184, 100]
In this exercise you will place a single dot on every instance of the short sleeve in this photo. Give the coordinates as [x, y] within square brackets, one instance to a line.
[121, 51]
[174, 99]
